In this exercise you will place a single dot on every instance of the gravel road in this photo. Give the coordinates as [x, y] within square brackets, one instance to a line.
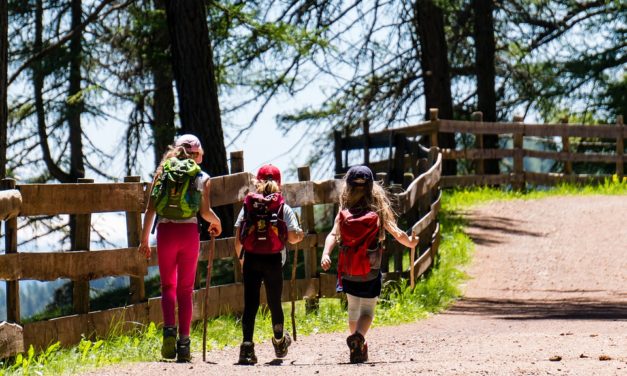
[547, 296]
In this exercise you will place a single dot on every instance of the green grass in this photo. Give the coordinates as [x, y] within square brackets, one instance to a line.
[398, 302]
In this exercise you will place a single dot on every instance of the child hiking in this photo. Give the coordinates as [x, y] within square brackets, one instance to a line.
[179, 191]
[359, 228]
[263, 226]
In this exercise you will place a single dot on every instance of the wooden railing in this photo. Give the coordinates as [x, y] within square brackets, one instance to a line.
[419, 204]
[403, 149]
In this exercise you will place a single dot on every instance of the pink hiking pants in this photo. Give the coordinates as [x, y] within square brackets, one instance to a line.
[177, 247]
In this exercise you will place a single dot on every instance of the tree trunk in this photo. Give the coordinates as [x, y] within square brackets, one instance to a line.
[199, 110]
[429, 24]
[485, 46]
[195, 81]
[4, 47]
[38, 86]
[163, 107]
[75, 105]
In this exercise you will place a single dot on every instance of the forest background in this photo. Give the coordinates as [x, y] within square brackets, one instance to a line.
[99, 88]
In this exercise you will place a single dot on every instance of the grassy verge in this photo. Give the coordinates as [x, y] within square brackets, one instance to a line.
[398, 303]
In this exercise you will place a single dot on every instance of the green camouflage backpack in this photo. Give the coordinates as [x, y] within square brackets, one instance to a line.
[175, 194]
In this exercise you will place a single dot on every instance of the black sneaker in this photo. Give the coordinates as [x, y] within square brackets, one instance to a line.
[247, 354]
[168, 349]
[358, 348]
[183, 353]
[281, 345]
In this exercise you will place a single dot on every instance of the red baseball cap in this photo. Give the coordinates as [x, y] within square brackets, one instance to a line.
[269, 172]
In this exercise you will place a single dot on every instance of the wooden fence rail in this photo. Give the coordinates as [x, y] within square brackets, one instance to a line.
[419, 204]
[403, 150]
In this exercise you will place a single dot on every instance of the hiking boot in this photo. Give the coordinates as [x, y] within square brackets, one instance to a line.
[358, 348]
[281, 345]
[247, 354]
[168, 349]
[183, 353]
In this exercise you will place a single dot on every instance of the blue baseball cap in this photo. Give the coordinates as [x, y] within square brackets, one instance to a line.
[359, 176]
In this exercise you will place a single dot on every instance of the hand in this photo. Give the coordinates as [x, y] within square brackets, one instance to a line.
[325, 262]
[144, 249]
[215, 228]
[413, 241]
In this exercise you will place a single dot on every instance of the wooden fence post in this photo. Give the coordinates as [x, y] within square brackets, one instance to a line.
[424, 207]
[519, 175]
[398, 166]
[477, 116]
[237, 165]
[133, 235]
[408, 177]
[382, 178]
[310, 254]
[10, 242]
[395, 247]
[620, 148]
[81, 242]
[568, 165]
[435, 125]
[366, 136]
[339, 167]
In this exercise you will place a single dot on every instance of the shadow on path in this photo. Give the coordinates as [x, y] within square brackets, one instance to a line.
[513, 309]
[487, 230]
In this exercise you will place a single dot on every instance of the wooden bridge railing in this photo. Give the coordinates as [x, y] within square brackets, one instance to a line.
[419, 203]
[404, 150]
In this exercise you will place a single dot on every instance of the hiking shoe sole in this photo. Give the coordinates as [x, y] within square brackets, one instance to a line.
[358, 348]
[281, 345]
[168, 349]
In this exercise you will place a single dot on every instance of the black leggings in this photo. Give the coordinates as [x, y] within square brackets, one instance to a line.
[266, 268]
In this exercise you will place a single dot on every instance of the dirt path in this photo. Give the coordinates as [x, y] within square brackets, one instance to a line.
[549, 280]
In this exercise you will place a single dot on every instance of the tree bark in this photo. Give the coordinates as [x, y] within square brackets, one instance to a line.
[4, 47]
[194, 73]
[429, 24]
[163, 106]
[485, 47]
[38, 87]
[75, 105]
[195, 81]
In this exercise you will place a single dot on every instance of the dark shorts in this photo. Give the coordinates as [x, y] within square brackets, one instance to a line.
[362, 289]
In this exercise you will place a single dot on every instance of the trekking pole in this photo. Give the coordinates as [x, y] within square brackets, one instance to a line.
[293, 289]
[205, 305]
[412, 258]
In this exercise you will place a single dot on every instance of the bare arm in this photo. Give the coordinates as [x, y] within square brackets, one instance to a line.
[238, 246]
[295, 236]
[149, 217]
[401, 236]
[215, 225]
[329, 245]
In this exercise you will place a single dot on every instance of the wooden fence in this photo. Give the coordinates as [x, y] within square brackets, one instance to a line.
[419, 204]
[404, 149]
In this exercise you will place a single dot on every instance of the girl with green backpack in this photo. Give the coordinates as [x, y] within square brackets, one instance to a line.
[179, 191]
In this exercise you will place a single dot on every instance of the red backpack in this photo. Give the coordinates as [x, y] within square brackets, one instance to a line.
[263, 229]
[358, 233]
